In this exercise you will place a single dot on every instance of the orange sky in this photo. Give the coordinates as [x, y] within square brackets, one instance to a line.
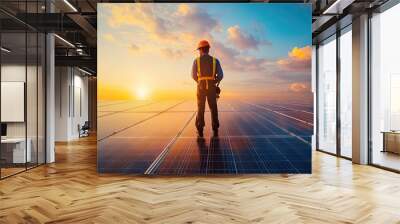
[146, 51]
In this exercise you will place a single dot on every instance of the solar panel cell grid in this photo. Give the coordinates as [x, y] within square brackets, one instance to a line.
[252, 139]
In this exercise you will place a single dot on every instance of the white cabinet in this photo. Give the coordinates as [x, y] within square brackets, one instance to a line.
[19, 155]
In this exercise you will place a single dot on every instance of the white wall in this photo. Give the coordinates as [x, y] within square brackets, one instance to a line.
[80, 111]
[62, 82]
[71, 102]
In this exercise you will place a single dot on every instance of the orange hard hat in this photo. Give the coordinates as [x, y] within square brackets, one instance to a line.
[203, 43]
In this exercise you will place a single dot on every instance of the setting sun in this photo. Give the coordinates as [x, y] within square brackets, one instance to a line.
[142, 93]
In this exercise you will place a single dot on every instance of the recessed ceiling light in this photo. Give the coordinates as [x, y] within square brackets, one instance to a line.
[5, 50]
[70, 5]
[84, 71]
[64, 40]
[337, 7]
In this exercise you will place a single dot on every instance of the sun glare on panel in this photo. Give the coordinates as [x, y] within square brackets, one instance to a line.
[142, 93]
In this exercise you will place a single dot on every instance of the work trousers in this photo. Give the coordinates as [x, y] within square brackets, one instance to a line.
[204, 93]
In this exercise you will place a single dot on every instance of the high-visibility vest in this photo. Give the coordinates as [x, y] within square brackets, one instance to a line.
[201, 77]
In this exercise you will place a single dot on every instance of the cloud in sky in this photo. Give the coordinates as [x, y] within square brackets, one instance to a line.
[295, 67]
[242, 40]
[195, 21]
[134, 48]
[172, 54]
[141, 15]
[108, 37]
[232, 59]
[298, 87]
[299, 59]
[185, 25]
[301, 53]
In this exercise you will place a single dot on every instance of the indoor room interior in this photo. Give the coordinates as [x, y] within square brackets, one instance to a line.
[50, 113]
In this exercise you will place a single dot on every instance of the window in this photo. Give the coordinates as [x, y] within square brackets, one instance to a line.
[385, 89]
[22, 87]
[346, 92]
[394, 102]
[327, 95]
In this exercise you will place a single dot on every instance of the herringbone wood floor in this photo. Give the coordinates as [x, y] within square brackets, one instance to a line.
[70, 191]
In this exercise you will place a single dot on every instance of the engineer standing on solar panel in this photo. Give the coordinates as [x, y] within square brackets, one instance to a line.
[207, 72]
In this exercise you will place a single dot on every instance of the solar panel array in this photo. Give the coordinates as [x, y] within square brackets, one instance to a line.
[159, 138]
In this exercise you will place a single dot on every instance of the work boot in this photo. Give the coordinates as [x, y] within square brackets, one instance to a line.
[215, 133]
[200, 133]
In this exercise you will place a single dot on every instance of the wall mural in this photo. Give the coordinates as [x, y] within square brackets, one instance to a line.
[204, 88]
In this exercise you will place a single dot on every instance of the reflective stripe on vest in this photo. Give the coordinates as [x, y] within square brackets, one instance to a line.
[208, 77]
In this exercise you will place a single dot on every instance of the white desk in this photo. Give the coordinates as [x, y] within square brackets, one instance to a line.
[19, 153]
